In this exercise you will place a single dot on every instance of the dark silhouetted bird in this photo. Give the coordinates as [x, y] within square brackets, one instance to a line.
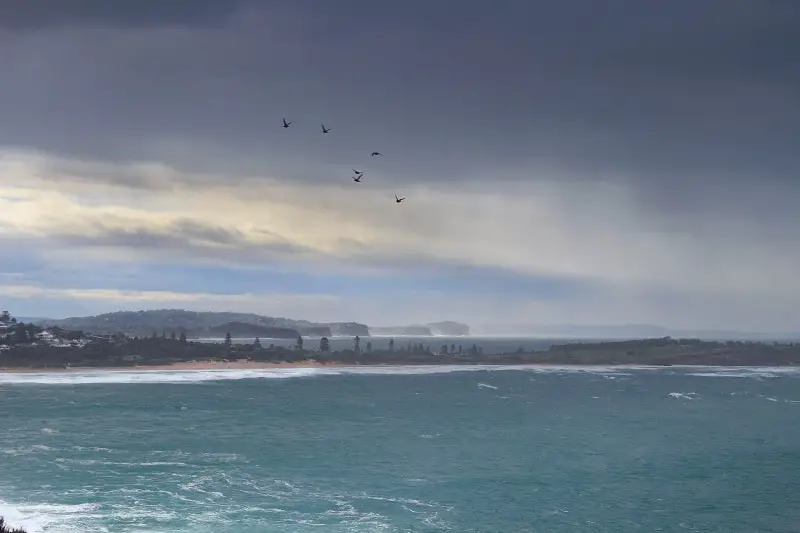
[373, 154]
[357, 172]
[357, 179]
[398, 200]
[286, 124]
[324, 129]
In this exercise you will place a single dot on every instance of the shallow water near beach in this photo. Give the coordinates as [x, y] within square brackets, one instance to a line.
[402, 449]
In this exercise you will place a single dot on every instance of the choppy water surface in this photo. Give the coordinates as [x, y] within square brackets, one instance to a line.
[407, 449]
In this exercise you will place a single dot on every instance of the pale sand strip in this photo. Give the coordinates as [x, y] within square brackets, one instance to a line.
[191, 365]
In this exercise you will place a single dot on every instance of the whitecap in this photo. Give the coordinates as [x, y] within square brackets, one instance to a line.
[26, 450]
[756, 372]
[79, 377]
[40, 517]
[684, 395]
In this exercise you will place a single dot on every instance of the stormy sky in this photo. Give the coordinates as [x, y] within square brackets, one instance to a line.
[573, 162]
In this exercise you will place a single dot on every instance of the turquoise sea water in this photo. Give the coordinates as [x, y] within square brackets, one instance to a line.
[405, 449]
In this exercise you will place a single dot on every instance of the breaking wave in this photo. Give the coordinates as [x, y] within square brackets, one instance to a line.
[79, 377]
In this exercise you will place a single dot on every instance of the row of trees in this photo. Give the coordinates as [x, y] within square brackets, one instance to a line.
[173, 336]
[325, 346]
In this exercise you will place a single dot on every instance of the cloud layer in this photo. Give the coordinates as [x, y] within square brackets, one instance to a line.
[566, 164]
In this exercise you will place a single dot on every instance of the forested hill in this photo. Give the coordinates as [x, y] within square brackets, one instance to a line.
[196, 324]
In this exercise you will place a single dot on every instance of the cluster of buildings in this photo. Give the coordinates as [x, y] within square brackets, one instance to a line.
[47, 338]
[42, 338]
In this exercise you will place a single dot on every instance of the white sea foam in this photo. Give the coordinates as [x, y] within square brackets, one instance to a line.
[198, 376]
[743, 372]
[26, 450]
[684, 395]
[40, 517]
[486, 386]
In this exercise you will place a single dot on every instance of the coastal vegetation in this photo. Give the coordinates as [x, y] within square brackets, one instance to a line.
[31, 346]
[5, 528]
[243, 329]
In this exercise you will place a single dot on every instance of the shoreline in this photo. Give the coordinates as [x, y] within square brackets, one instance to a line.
[260, 365]
[189, 365]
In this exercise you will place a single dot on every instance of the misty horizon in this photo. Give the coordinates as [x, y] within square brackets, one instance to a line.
[622, 331]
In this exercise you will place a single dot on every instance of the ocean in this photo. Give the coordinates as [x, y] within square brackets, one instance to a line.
[402, 450]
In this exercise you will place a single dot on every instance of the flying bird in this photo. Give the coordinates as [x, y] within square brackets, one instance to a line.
[398, 200]
[357, 179]
[286, 124]
[373, 154]
[357, 172]
[324, 129]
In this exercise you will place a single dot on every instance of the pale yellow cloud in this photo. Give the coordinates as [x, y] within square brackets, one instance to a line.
[590, 231]
[271, 303]
[33, 291]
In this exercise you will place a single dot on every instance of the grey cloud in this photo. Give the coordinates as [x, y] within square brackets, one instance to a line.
[674, 96]
[47, 14]
[185, 237]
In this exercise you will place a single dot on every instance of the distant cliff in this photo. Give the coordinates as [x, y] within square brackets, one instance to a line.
[411, 331]
[349, 329]
[449, 328]
[241, 329]
[195, 324]
[315, 331]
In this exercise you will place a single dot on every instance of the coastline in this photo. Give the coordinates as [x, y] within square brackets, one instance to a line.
[189, 365]
[260, 365]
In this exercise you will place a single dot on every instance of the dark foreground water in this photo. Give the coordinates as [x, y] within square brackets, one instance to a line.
[402, 450]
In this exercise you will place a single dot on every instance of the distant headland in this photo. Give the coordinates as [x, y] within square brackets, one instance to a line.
[195, 325]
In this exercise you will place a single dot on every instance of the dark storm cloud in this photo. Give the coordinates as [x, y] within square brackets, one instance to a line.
[47, 14]
[665, 92]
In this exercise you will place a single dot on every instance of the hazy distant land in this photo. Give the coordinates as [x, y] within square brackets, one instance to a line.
[215, 325]
[246, 325]
[628, 331]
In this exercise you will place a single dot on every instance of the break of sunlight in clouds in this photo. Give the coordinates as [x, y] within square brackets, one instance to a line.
[32, 291]
[159, 297]
[274, 304]
[594, 232]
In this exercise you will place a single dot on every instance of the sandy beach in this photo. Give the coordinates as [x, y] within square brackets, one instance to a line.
[189, 365]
